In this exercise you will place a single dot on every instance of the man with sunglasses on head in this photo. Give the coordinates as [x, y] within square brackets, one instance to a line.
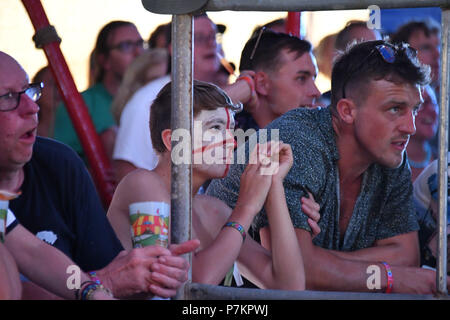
[117, 45]
[58, 203]
[351, 156]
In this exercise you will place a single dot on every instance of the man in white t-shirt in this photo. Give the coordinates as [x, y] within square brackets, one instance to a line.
[133, 148]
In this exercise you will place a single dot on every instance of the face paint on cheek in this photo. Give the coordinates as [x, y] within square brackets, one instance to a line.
[229, 139]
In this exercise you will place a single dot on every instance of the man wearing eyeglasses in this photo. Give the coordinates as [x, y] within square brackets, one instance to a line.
[352, 157]
[420, 35]
[118, 44]
[58, 203]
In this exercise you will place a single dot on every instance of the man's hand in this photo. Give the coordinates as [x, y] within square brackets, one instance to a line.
[414, 280]
[311, 208]
[170, 272]
[281, 153]
[150, 269]
[255, 184]
[129, 273]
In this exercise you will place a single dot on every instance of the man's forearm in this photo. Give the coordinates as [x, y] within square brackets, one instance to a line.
[402, 250]
[328, 272]
[41, 263]
[10, 287]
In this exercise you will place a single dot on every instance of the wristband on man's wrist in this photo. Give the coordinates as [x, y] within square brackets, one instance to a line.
[94, 277]
[249, 81]
[238, 227]
[390, 278]
[88, 288]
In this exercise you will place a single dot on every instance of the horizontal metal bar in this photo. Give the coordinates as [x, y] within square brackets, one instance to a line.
[317, 5]
[199, 291]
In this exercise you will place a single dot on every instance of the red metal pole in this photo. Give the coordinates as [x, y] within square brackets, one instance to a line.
[293, 23]
[76, 107]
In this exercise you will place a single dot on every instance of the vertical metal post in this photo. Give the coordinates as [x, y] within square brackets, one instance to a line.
[182, 101]
[441, 274]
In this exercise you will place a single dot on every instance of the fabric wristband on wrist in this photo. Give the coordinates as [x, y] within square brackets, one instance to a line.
[249, 82]
[94, 277]
[238, 227]
[390, 278]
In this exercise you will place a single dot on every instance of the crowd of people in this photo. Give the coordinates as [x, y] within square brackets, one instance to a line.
[328, 185]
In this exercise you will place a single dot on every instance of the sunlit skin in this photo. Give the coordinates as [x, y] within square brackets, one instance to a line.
[292, 85]
[427, 117]
[117, 62]
[220, 247]
[426, 128]
[383, 124]
[206, 61]
[18, 128]
[214, 145]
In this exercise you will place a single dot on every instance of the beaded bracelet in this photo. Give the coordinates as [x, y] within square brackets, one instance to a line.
[93, 276]
[89, 290]
[77, 292]
[390, 278]
[238, 227]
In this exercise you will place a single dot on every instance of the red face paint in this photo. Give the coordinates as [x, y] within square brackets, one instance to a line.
[229, 139]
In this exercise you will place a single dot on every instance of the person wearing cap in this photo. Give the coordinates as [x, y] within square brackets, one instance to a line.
[351, 156]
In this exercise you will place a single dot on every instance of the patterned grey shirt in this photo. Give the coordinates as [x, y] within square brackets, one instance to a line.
[383, 209]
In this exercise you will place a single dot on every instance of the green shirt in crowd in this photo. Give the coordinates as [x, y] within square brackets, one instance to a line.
[98, 102]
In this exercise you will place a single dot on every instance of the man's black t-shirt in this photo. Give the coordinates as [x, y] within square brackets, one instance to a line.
[60, 205]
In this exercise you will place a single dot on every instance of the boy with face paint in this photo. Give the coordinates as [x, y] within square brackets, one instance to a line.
[220, 229]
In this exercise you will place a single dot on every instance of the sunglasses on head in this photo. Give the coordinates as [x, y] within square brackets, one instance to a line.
[386, 52]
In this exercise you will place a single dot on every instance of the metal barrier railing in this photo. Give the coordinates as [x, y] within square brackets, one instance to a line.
[182, 118]
[198, 291]
[441, 273]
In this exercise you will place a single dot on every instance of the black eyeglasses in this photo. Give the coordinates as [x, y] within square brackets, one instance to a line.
[204, 39]
[387, 53]
[128, 46]
[11, 100]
